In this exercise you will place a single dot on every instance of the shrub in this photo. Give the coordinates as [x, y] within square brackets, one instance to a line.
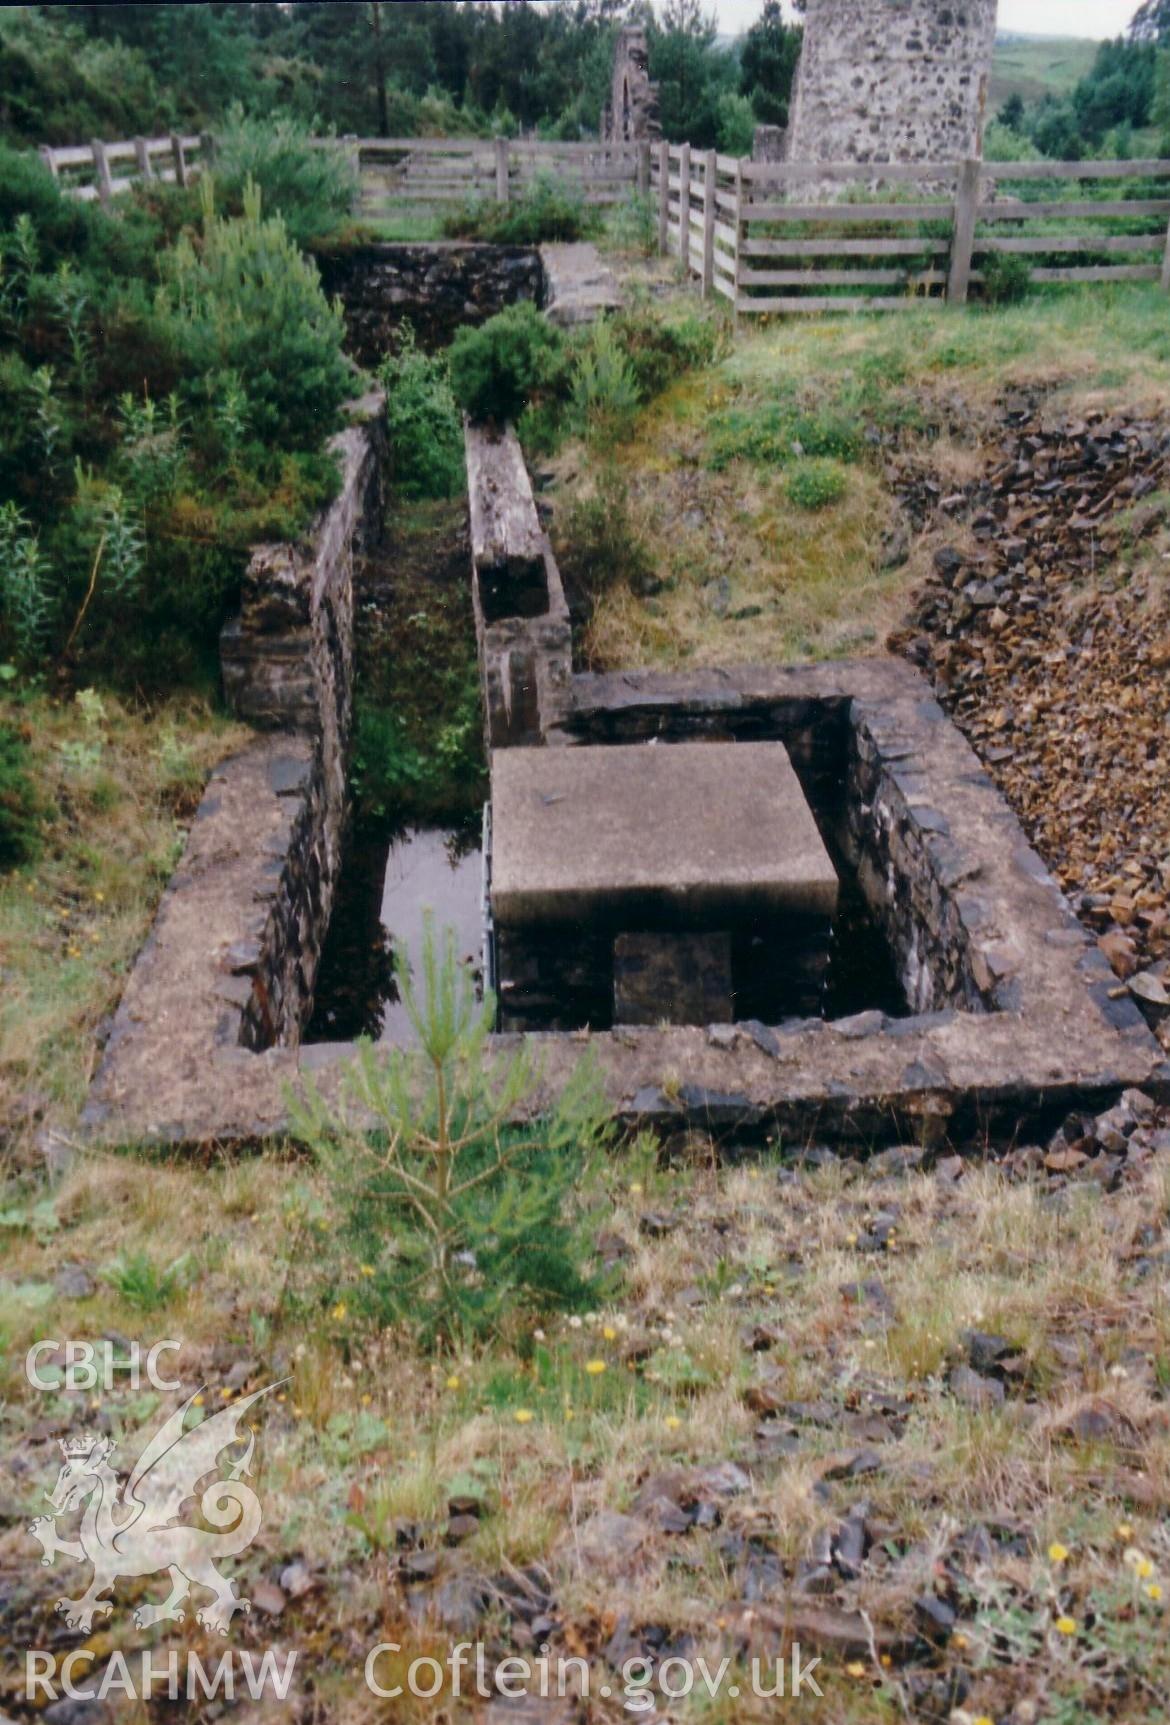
[815, 484]
[426, 435]
[246, 302]
[21, 811]
[497, 369]
[462, 1219]
[313, 187]
[603, 391]
[661, 349]
[1007, 278]
[398, 774]
[598, 545]
[548, 209]
[631, 226]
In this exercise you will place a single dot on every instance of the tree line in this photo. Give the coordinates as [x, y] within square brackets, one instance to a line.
[374, 68]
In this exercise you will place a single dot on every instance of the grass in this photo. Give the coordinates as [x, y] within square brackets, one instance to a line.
[740, 570]
[120, 784]
[372, 1436]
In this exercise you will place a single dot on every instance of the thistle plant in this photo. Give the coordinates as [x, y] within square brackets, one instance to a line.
[457, 1194]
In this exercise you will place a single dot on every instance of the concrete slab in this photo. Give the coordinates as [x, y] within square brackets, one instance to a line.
[688, 829]
[578, 286]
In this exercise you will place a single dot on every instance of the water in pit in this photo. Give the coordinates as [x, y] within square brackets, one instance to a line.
[379, 911]
[389, 883]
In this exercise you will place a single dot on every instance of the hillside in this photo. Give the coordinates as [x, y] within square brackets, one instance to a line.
[1036, 66]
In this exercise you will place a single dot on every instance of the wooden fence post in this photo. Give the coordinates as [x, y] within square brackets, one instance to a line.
[1166, 263]
[710, 169]
[101, 165]
[207, 149]
[179, 156]
[644, 168]
[142, 158]
[48, 157]
[501, 170]
[738, 224]
[663, 197]
[684, 206]
[963, 238]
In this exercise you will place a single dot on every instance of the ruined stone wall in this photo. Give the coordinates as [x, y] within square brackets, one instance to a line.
[437, 288]
[632, 112]
[287, 663]
[892, 81]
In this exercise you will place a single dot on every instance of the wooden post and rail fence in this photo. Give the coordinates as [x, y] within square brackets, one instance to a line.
[769, 237]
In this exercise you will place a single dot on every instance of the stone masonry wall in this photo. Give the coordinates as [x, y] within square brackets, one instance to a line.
[287, 662]
[631, 114]
[892, 81]
[436, 287]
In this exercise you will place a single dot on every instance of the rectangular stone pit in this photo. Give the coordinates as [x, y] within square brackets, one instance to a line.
[668, 856]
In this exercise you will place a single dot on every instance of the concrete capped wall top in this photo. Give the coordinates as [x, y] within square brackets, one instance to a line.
[696, 826]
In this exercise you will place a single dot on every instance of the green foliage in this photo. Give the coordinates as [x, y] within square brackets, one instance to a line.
[1007, 278]
[599, 546]
[146, 1284]
[464, 1219]
[245, 303]
[148, 436]
[61, 85]
[815, 484]
[603, 391]
[311, 186]
[426, 435]
[25, 601]
[662, 348]
[631, 227]
[735, 124]
[768, 61]
[397, 774]
[693, 74]
[548, 210]
[21, 810]
[781, 430]
[497, 369]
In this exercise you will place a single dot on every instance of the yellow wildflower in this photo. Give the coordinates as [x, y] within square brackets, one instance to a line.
[1057, 1553]
[1066, 1626]
[367, 1269]
[595, 1367]
[453, 1381]
[1154, 1591]
[856, 1668]
[609, 1333]
[672, 1422]
[523, 1416]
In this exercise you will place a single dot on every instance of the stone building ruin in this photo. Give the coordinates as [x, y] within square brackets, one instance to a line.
[632, 112]
[888, 81]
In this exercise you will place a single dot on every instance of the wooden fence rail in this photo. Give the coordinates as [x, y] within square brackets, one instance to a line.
[766, 236]
[809, 237]
[426, 176]
[101, 170]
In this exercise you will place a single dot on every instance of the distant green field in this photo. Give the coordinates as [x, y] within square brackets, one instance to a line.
[1035, 66]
